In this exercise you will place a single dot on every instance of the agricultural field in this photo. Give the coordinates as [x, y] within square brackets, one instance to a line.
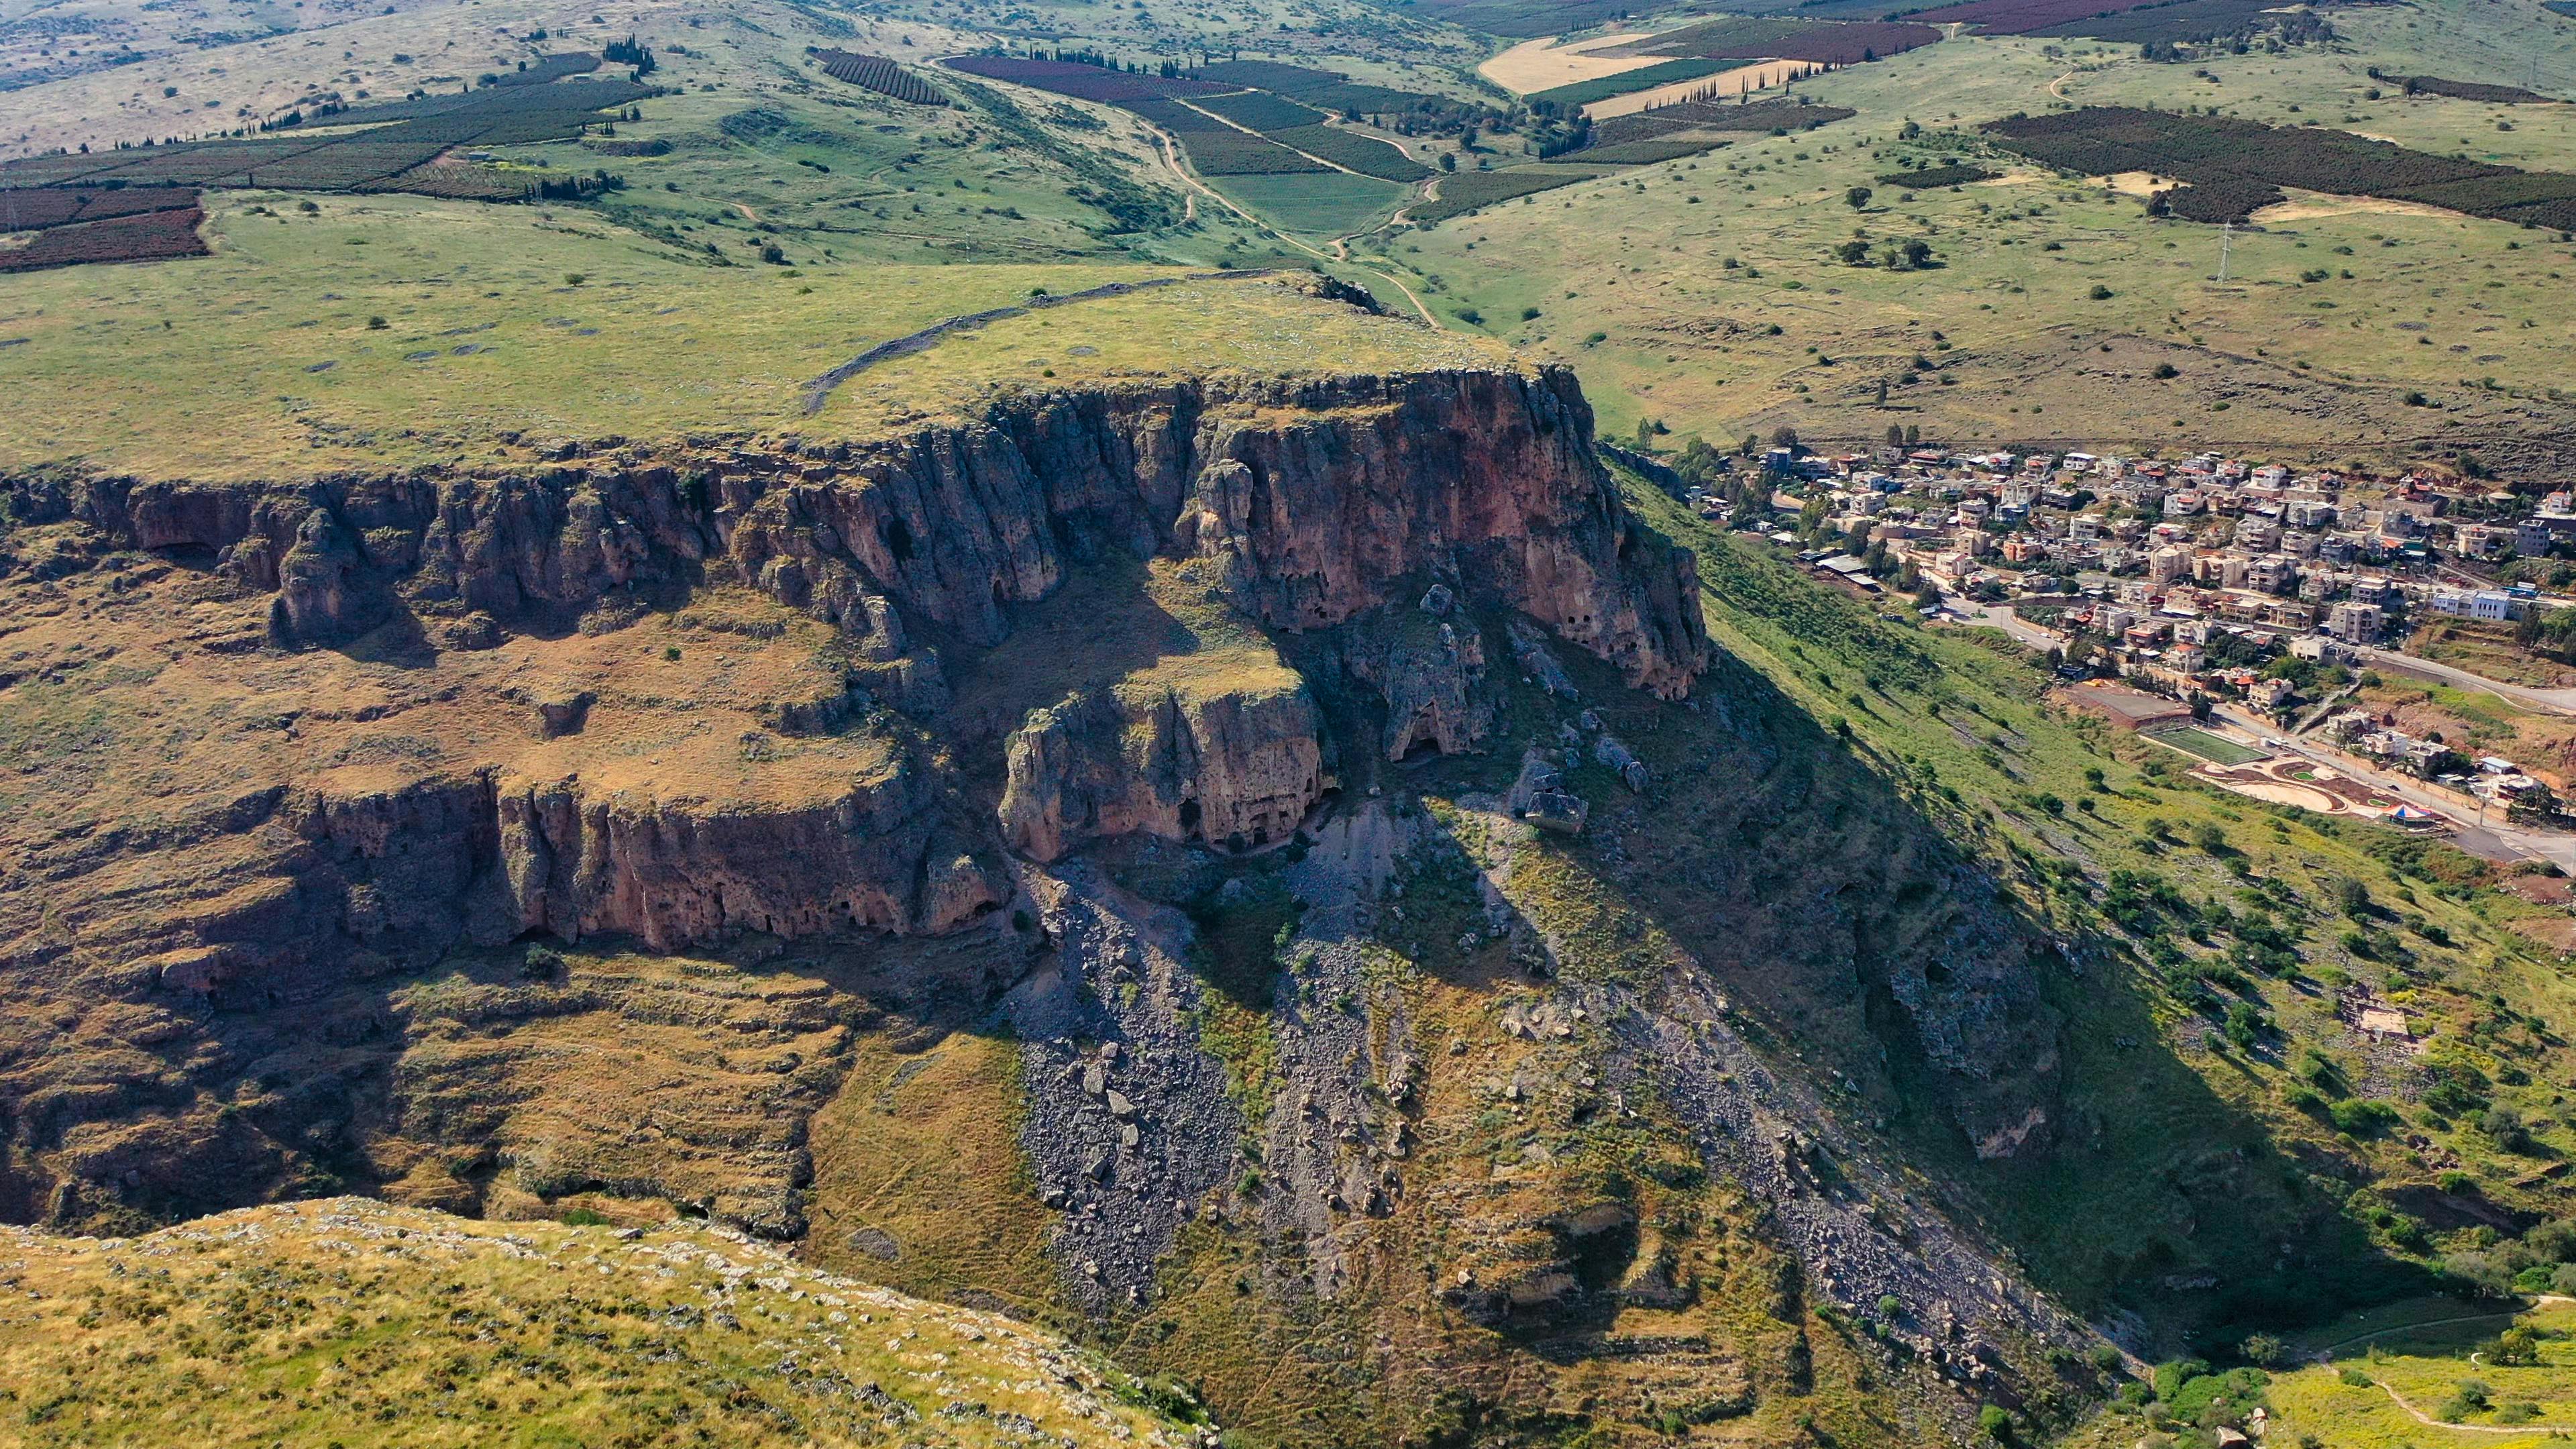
[2234, 168]
[1261, 111]
[2289, 354]
[1348, 149]
[140, 236]
[393, 146]
[2197, 22]
[1471, 190]
[881, 75]
[1318, 203]
[1947, 174]
[2433, 85]
[1716, 46]
[1226, 152]
[2079, 17]
[1082, 80]
[1828, 42]
[1662, 73]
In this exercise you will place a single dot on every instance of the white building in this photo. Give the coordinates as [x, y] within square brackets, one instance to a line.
[2493, 605]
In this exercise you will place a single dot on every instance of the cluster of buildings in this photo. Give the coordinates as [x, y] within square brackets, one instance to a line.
[2160, 548]
[2490, 778]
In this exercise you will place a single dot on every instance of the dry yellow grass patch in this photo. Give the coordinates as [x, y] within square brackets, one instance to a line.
[1544, 64]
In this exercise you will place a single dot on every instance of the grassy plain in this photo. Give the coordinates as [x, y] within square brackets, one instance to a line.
[2423, 1365]
[486, 330]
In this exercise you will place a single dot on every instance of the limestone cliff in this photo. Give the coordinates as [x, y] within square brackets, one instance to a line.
[1237, 767]
[270, 741]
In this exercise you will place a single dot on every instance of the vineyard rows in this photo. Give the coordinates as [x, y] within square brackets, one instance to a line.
[2234, 168]
[876, 73]
[137, 237]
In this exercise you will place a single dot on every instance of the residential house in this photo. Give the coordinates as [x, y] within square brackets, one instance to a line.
[2354, 622]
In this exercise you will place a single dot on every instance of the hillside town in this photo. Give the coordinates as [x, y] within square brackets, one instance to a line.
[2210, 581]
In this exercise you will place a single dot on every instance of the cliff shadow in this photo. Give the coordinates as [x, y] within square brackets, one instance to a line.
[1103, 623]
[1822, 880]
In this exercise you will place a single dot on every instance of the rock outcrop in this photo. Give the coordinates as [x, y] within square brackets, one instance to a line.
[306, 737]
[1237, 768]
[1318, 498]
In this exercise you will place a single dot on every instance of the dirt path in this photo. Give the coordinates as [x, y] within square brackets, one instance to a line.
[748, 214]
[2539, 1300]
[819, 391]
[2430, 1422]
[1192, 188]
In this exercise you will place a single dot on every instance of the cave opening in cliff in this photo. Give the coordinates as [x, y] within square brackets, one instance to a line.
[898, 539]
[1189, 815]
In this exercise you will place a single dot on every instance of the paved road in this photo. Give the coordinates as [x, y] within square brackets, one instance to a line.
[2029, 635]
[2552, 701]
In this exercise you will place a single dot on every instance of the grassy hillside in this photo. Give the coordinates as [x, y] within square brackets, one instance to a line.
[2219, 1161]
[348, 1322]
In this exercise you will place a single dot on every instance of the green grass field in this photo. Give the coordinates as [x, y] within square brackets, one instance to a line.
[350, 1322]
[2425, 1365]
[555, 324]
[1333, 203]
[2214, 748]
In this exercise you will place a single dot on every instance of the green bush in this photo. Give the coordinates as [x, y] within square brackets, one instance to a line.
[2363, 1116]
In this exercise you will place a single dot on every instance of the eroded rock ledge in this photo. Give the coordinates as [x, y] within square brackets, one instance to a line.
[303, 735]
[1297, 506]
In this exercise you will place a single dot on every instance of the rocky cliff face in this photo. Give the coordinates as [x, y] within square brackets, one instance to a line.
[1314, 497]
[1239, 767]
[270, 740]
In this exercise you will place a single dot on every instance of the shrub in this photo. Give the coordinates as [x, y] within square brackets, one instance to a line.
[2363, 1116]
[2355, 1378]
